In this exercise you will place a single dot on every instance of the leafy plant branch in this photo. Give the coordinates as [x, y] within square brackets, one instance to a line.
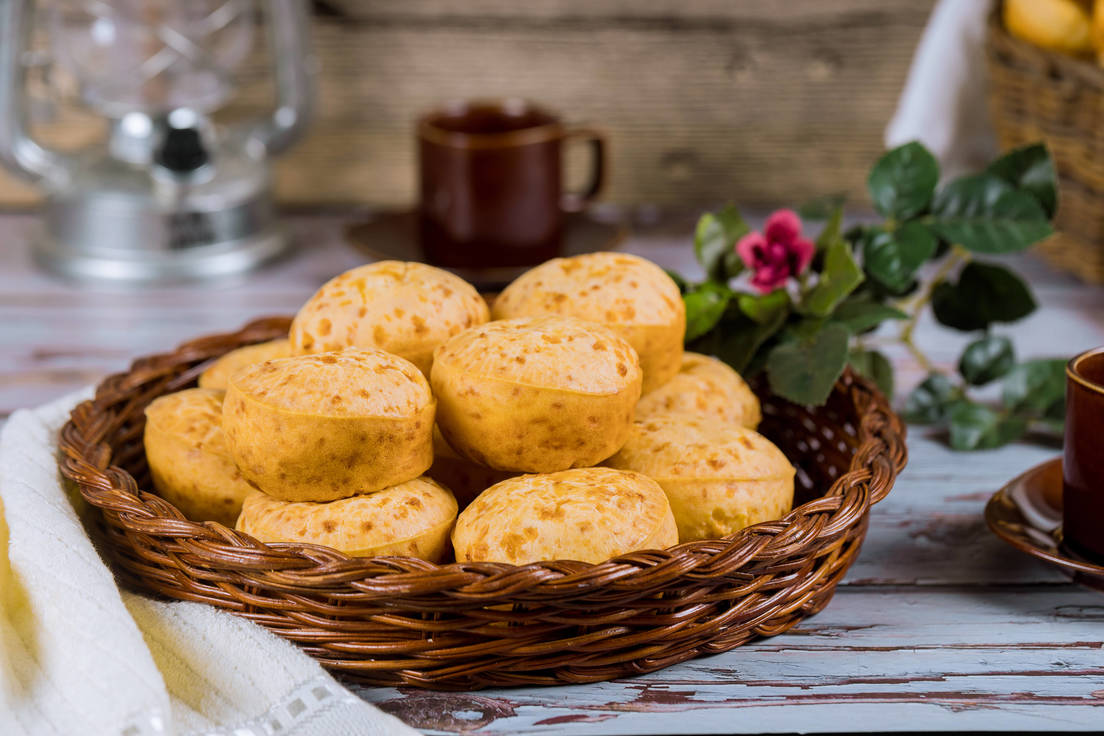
[916, 306]
[802, 310]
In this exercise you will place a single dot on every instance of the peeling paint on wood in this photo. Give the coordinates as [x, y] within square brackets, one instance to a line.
[456, 712]
[1034, 652]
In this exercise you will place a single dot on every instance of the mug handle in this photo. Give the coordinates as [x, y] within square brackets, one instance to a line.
[579, 201]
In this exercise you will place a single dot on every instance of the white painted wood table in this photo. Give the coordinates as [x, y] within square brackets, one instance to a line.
[939, 625]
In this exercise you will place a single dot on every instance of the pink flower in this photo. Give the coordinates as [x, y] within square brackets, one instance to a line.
[776, 254]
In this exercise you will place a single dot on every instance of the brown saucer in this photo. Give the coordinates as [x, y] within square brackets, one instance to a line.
[1027, 513]
[394, 235]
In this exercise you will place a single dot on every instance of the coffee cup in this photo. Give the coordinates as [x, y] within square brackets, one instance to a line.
[1083, 457]
[491, 183]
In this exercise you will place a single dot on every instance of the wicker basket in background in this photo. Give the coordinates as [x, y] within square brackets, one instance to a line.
[1035, 94]
[403, 621]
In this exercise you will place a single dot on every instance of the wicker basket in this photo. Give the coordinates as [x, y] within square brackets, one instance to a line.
[463, 626]
[1035, 95]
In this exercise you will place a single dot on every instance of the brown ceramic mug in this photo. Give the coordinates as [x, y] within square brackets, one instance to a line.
[491, 178]
[1083, 459]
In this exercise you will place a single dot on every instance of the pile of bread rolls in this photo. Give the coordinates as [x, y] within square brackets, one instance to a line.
[402, 416]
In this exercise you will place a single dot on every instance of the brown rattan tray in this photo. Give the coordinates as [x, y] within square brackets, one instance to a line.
[403, 621]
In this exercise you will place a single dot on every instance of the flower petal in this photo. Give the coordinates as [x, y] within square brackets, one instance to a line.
[803, 251]
[747, 246]
[783, 225]
[770, 277]
[762, 286]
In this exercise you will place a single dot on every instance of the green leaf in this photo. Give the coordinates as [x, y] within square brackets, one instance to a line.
[903, 180]
[1030, 168]
[704, 308]
[715, 240]
[855, 233]
[749, 322]
[928, 402]
[986, 360]
[985, 294]
[880, 291]
[831, 232]
[985, 213]
[737, 346]
[804, 370]
[953, 309]
[893, 258]
[968, 196]
[977, 427]
[1013, 222]
[875, 366]
[840, 276]
[1036, 387]
[860, 315]
[805, 329]
[823, 207]
[765, 309]
[736, 342]
[1053, 427]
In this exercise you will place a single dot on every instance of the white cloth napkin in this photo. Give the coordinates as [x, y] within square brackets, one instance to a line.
[943, 104]
[80, 656]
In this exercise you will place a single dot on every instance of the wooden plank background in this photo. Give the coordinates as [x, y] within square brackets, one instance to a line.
[703, 100]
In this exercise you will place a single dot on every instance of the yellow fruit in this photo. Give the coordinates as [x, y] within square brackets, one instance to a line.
[1098, 30]
[1058, 25]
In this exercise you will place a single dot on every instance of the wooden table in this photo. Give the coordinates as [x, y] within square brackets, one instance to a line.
[939, 625]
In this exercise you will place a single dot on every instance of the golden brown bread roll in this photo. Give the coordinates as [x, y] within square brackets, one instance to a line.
[404, 308]
[631, 296]
[411, 519]
[719, 477]
[704, 387]
[328, 426]
[536, 394]
[188, 457]
[585, 514]
[218, 373]
[466, 479]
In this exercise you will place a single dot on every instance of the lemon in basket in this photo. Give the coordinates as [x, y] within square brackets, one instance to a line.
[1057, 25]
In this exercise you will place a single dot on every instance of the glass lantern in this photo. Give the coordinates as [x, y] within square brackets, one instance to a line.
[169, 194]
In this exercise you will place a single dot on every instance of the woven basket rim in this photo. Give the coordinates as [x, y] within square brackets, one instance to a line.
[880, 456]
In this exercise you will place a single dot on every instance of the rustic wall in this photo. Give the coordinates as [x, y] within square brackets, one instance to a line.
[704, 100]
